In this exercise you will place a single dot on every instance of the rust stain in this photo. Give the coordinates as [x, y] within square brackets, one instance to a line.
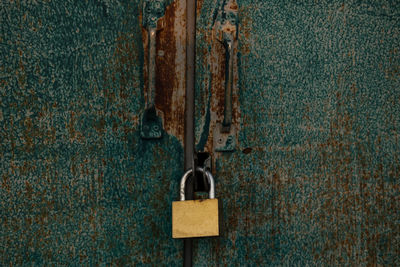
[170, 68]
[245, 31]
[6, 183]
[29, 190]
[199, 4]
[165, 70]
[29, 134]
[247, 150]
[216, 58]
[219, 82]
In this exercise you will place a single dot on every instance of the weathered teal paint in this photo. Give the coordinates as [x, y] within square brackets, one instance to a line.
[78, 185]
[314, 180]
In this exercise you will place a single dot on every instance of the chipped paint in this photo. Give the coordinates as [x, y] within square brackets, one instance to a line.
[315, 176]
[78, 186]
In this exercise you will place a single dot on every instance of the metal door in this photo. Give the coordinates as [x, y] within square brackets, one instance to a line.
[314, 178]
[311, 176]
[79, 186]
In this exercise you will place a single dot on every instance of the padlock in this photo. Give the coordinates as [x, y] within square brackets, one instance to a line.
[195, 218]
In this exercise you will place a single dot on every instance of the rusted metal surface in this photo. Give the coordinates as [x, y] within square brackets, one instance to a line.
[78, 185]
[170, 77]
[315, 179]
[315, 175]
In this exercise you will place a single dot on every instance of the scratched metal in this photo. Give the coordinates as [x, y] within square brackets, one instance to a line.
[315, 179]
[78, 186]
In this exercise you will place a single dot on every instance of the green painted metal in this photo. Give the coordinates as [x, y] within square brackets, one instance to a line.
[78, 184]
[314, 179]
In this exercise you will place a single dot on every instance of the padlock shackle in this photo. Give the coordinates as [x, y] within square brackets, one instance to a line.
[209, 177]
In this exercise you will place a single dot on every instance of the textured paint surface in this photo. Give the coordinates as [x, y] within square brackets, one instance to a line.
[78, 185]
[314, 179]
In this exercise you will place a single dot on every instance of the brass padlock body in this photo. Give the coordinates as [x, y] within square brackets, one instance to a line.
[195, 218]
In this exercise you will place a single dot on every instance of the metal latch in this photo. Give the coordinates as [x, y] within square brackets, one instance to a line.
[226, 28]
[151, 126]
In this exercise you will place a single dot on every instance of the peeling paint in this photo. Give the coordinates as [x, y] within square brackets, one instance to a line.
[78, 186]
[314, 179]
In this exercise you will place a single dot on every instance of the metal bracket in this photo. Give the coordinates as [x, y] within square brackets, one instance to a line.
[227, 21]
[224, 141]
[151, 126]
[153, 11]
[226, 29]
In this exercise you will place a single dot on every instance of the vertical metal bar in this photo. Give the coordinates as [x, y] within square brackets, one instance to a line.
[189, 111]
[190, 80]
[228, 84]
[150, 103]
